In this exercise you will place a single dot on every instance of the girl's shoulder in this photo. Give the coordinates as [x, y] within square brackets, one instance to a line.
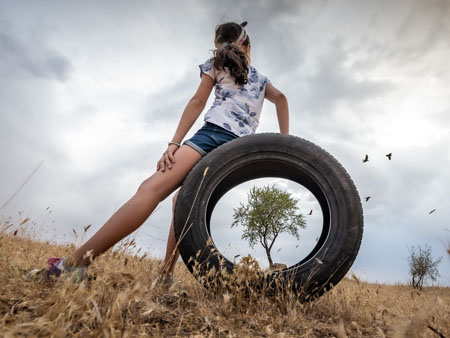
[254, 76]
[208, 68]
[208, 64]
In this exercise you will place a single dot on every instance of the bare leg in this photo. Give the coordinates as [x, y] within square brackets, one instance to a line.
[172, 252]
[134, 212]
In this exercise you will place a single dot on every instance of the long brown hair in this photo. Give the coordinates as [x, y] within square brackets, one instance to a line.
[229, 53]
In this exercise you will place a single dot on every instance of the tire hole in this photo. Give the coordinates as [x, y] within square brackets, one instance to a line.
[287, 249]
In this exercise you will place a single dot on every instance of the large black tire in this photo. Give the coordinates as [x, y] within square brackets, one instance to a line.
[273, 155]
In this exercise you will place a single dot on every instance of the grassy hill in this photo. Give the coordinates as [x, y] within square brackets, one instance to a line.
[121, 299]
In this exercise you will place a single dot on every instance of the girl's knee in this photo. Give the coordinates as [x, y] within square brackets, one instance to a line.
[156, 187]
[143, 185]
[147, 187]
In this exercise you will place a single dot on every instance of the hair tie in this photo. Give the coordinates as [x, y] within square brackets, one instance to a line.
[240, 40]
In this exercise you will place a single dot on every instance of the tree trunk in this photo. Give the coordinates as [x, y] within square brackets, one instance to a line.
[269, 257]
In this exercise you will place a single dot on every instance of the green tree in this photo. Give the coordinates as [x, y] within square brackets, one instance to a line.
[268, 212]
[422, 266]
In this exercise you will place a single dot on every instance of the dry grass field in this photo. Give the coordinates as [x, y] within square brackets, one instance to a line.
[121, 299]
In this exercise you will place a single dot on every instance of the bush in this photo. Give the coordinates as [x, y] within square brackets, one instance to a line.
[422, 266]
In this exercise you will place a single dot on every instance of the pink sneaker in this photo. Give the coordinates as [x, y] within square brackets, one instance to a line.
[57, 265]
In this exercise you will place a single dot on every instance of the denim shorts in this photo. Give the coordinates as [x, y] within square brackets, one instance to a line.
[209, 137]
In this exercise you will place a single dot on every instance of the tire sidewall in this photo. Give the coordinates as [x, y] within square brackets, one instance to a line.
[339, 245]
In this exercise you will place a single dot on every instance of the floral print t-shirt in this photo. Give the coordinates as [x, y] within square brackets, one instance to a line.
[236, 108]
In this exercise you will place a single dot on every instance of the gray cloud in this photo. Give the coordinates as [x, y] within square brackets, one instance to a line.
[332, 83]
[33, 59]
[93, 89]
[425, 27]
[167, 104]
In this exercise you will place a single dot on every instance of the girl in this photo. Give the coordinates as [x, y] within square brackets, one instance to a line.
[239, 94]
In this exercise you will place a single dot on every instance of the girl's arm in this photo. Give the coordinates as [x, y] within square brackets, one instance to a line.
[281, 105]
[190, 114]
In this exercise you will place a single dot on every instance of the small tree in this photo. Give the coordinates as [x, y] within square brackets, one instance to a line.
[422, 266]
[269, 212]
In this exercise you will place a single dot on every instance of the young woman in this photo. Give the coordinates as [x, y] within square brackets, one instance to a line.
[239, 94]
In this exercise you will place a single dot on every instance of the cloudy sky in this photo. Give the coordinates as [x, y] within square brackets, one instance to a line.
[91, 91]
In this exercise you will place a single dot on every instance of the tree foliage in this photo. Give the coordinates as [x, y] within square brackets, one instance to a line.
[269, 212]
[422, 266]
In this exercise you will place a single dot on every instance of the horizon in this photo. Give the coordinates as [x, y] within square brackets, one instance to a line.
[91, 92]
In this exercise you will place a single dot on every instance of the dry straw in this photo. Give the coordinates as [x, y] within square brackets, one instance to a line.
[121, 300]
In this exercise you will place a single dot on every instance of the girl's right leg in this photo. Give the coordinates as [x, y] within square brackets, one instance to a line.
[134, 212]
[172, 252]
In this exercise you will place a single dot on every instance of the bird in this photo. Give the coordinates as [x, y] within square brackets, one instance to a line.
[310, 213]
[367, 198]
[389, 156]
[86, 228]
[279, 250]
[432, 211]
[366, 159]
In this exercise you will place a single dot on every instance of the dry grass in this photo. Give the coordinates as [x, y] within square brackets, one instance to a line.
[121, 300]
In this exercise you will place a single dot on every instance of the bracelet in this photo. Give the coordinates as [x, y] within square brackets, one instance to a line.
[176, 143]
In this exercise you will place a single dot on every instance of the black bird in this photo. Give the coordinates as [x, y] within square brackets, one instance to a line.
[310, 213]
[367, 198]
[432, 211]
[389, 156]
[366, 159]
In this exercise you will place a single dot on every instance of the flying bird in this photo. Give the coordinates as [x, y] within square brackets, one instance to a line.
[310, 213]
[367, 198]
[366, 159]
[389, 156]
[432, 211]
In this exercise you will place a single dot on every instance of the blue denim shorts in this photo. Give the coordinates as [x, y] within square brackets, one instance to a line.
[209, 137]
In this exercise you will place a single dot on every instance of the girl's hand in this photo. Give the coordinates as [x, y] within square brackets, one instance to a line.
[167, 158]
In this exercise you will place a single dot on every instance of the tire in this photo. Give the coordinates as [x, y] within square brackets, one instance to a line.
[272, 155]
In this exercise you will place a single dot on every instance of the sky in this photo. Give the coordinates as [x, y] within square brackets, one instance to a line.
[91, 91]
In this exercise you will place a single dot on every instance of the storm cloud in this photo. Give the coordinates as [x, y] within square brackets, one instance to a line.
[94, 90]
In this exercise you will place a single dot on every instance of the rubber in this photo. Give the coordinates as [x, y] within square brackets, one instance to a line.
[272, 155]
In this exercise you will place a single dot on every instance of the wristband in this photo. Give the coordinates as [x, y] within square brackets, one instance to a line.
[176, 143]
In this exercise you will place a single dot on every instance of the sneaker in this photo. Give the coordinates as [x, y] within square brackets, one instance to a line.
[57, 265]
[33, 275]
[165, 280]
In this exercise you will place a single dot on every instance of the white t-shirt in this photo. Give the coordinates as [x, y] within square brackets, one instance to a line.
[236, 108]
